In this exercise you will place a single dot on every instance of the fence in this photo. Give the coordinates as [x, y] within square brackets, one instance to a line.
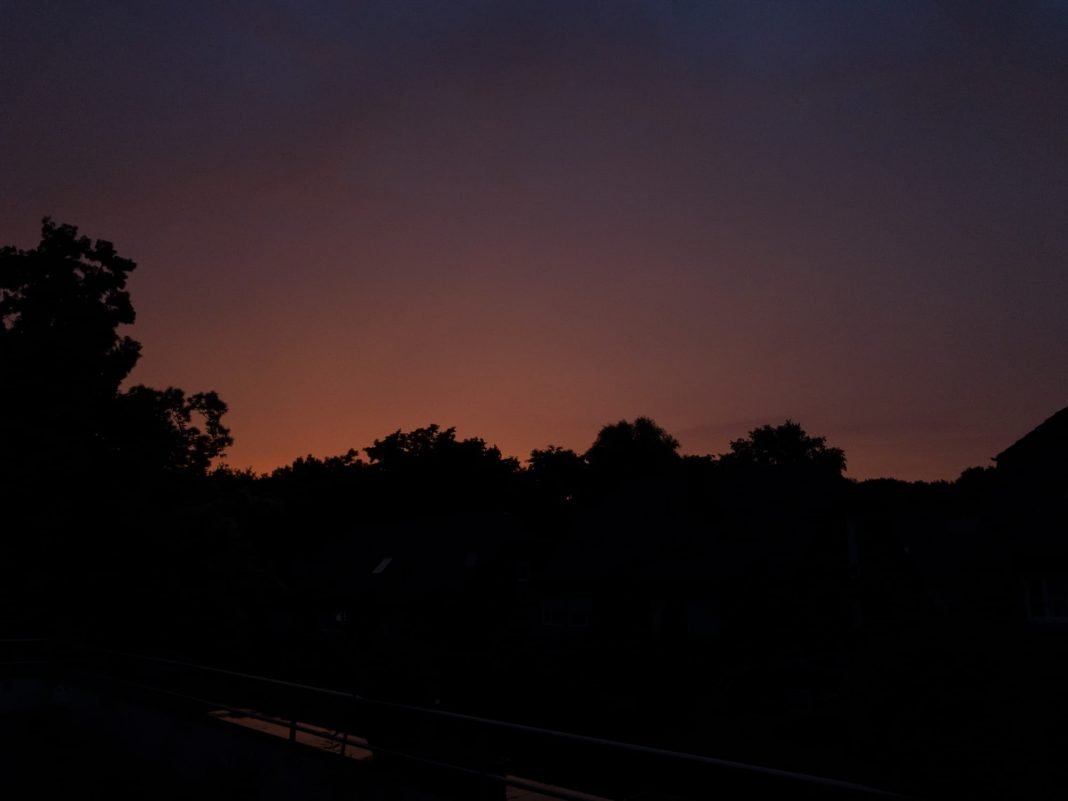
[457, 755]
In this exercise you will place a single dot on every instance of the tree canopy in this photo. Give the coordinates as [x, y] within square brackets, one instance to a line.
[159, 427]
[635, 449]
[61, 352]
[786, 446]
[64, 358]
[558, 474]
[435, 449]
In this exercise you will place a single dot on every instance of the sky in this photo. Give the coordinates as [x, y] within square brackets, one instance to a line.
[531, 219]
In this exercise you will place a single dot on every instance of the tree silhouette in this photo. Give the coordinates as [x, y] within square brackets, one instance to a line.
[157, 428]
[633, 450]
[63, 358]
[60, 351]
[786, 446]
[557, 474]
[432, 449]
[430, 468]
[312, 468]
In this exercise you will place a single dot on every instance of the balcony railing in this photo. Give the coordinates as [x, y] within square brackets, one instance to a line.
[484, 755]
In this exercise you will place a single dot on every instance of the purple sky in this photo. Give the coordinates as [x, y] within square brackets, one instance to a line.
[531, 219]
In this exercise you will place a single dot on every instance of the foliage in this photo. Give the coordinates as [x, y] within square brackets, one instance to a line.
[432, 449]
[429, 471]
[786, 446]
[60, 351]
[312, 467]
[557, 474]
[632, 450]
[64, 359]
[158, 427]
[60, 308]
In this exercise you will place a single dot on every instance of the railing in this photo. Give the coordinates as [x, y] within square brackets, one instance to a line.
[404, 739]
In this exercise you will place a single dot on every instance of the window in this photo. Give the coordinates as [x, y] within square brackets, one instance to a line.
[553, 612]
[579, 613]
[702, 618]
[1047, 596]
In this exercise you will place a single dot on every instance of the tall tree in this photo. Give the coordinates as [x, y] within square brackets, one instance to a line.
[633, 450]
[433, 449]
[61, 352]
[168, 430]
[556, 474]
[64, 358]
[429, 468]
[786, 446]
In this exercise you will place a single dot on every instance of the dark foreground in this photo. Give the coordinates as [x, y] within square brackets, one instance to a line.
[69, 734]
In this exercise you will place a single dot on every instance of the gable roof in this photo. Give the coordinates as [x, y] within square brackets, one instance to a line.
[1042, 450]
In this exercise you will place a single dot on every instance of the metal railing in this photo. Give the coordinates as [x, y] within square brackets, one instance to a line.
[378, 726]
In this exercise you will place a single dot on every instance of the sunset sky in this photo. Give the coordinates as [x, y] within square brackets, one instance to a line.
[527, 220]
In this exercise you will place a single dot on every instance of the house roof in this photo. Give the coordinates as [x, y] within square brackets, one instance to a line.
[407, 559]
[1041, 450]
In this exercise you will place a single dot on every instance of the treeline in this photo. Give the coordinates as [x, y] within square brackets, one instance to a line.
[628, 589]
[117, 513]
[429, 471]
